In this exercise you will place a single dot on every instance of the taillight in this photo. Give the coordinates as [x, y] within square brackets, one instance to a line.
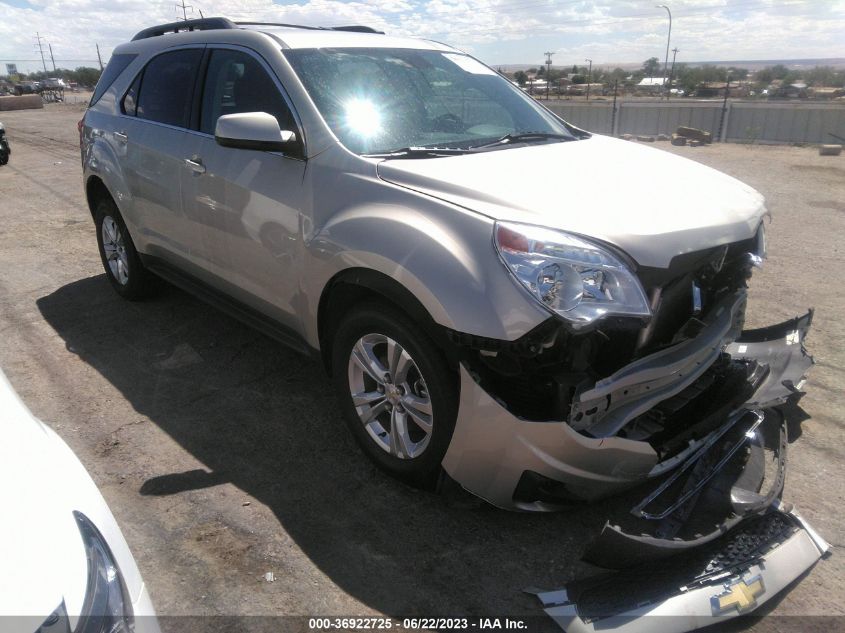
[79, 125]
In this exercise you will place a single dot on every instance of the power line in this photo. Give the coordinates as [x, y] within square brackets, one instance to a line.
[6, 59]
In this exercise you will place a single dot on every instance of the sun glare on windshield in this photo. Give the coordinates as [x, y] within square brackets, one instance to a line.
[362, 118]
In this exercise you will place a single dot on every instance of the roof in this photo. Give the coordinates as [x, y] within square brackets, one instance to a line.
[652, 81]
[293, 37]
[289, 35]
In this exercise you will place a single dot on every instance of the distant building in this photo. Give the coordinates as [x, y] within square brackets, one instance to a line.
[650, 85]
[581, 89]
[710, 89]
[798, 90]
[825, 92]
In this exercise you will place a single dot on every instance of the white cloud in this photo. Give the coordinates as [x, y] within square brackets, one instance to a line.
[499, 31]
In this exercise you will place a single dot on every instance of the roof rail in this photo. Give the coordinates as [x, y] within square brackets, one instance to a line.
[284, 24]
[204, 24]
[355, 28]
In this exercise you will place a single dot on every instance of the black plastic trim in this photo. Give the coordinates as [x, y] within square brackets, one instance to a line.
[234, 308]
[204, 24]
[261, 146]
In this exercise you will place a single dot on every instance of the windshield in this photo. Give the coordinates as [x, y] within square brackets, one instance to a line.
[380, 100]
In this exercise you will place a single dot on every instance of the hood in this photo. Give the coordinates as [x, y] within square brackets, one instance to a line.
[43, 556]
[651, 204]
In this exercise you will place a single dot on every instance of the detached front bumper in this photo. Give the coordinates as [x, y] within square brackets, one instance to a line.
[495, 455]
[732, 576]
[711, 539]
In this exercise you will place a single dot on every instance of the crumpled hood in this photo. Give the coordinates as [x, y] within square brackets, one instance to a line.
[652, 204]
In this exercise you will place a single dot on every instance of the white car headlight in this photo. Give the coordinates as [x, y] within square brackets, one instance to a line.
[107, 607]
[576, 279]
[762, 242]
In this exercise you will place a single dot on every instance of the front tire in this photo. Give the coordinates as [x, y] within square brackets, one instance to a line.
[123, 266]
[397, 392]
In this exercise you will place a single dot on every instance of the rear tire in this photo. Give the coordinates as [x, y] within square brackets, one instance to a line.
[123, 266]
[397, 392]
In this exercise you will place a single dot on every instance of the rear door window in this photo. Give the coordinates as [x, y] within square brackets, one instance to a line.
[167, 87]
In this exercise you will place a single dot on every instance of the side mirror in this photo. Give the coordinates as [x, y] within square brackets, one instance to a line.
[252, 130]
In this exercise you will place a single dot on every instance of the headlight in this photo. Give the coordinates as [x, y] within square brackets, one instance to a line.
[107, 607]
[572, 277]
[762, 245]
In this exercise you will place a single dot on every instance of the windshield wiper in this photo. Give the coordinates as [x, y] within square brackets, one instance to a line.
[421, 152]
[525, 137]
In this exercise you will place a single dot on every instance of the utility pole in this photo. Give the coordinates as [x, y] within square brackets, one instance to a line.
[52, 59]
[548, 72]
[724, 107]
[668, 38]
[672, 71]
[589, 77]
[613, 116]
[181, 5]
[99, 59]
[38, 39]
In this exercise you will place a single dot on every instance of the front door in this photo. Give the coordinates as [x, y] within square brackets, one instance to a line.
[246, 204]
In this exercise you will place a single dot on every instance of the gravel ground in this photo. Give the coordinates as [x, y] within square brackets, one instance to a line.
[223, 457]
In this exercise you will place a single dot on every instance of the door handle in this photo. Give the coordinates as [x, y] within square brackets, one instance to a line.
[120, 137]
[195, 165]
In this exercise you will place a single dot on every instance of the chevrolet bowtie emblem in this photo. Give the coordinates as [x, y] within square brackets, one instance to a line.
[741, 595]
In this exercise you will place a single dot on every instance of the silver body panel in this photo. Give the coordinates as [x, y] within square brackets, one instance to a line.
[650, 230]
[273, 231]
[491, 448]
[331, 209]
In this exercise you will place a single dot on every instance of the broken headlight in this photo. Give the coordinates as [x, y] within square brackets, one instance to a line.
[576, 279]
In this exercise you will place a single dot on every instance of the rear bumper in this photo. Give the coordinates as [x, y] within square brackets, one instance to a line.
[732, 576]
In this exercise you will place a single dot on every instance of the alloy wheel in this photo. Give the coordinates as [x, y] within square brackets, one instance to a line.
[390, 396]
[115, 250]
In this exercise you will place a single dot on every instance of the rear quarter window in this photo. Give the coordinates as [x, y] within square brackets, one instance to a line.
[117, 64]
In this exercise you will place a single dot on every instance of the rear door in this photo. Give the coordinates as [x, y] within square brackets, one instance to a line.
[157, 113]
[248, 202]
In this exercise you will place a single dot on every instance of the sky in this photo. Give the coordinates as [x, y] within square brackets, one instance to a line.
[495, 31]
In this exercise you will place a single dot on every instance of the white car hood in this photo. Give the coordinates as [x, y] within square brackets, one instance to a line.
[651, 204]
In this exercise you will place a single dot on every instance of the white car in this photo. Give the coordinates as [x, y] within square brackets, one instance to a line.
[65, 565]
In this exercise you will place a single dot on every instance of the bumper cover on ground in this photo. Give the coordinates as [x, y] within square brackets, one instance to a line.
[731, 576]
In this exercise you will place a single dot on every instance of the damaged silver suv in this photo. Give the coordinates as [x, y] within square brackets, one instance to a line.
[367, 198]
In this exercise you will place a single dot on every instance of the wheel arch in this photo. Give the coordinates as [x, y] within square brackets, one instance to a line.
[354, 286]
[95, 190]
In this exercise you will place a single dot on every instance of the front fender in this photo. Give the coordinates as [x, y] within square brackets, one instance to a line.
[443, 256]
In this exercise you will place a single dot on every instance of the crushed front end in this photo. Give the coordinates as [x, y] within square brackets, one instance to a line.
[687, 408]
